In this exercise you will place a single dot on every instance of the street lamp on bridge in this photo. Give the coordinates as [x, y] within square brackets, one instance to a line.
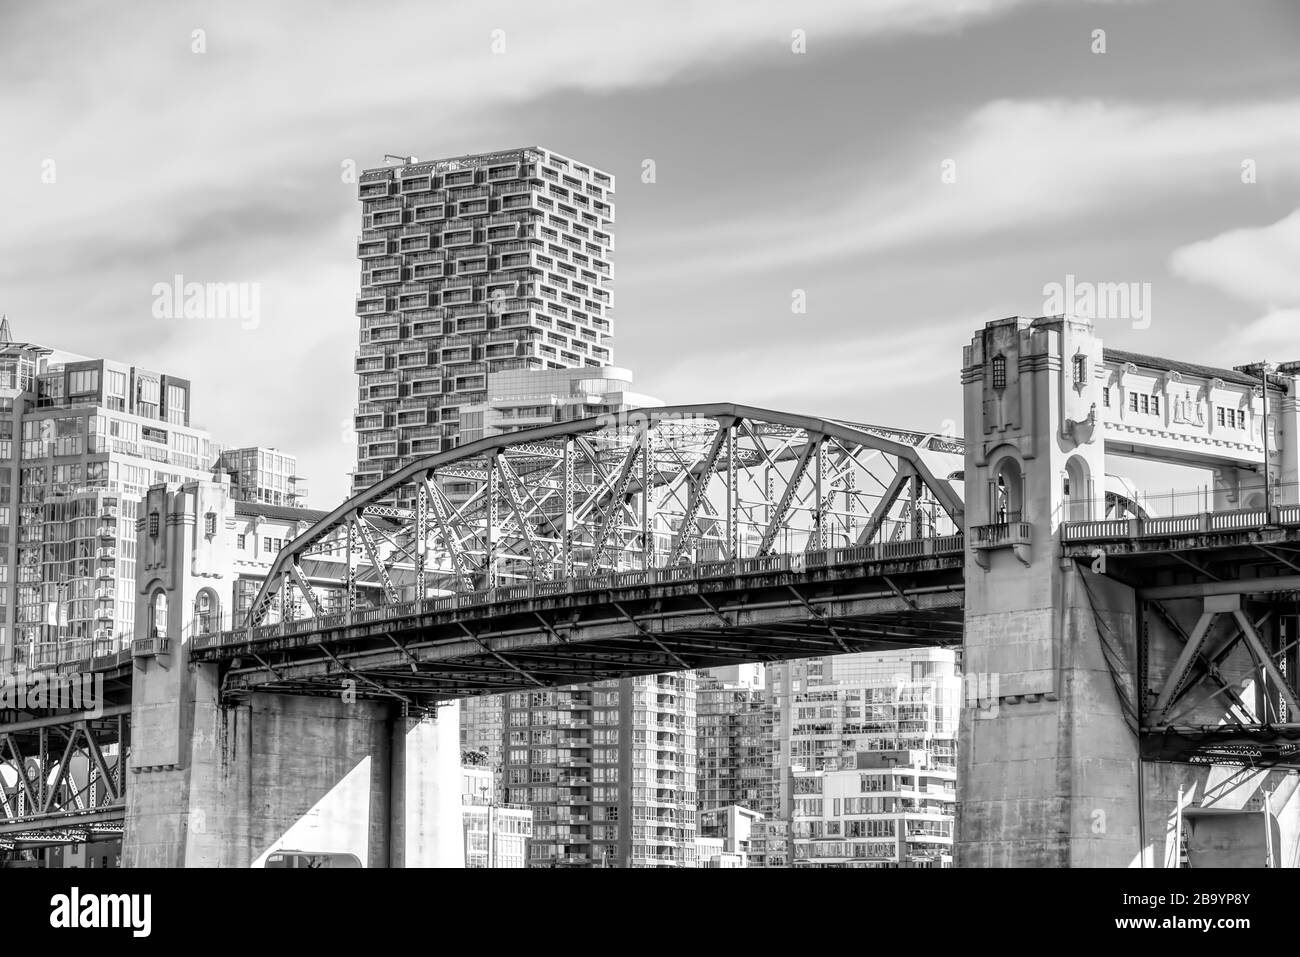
[1265, 368]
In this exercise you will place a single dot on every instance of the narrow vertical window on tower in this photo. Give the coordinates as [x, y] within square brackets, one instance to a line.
[1080, 370]
[999, 372]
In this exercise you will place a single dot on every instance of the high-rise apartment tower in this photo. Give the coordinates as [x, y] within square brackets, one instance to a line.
[470, 266]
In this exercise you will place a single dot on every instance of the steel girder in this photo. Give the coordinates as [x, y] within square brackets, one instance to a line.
[620, 493]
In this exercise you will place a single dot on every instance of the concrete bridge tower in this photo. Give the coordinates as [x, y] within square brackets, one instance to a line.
[216, 782]
[1050, 766]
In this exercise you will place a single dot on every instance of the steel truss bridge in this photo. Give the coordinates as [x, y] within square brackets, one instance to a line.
[659, 540]
[682, 538]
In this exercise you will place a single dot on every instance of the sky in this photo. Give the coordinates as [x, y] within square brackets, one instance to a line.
[817, 205]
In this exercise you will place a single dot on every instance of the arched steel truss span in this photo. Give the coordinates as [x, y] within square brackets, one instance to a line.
[647, 489]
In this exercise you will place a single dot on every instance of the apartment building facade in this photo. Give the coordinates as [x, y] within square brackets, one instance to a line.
[736, 744]
[609, 770]
[265, 475]
[829, 711]
[524, 399]
[482, 726]
[892, 809]
[496, 834]
[733, 828]
[80, 441]
[834, 707]
[473, 265]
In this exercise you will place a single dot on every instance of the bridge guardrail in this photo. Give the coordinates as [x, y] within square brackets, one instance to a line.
[1180, 525]
[1234, 520]
[856, 554]
[949, 544]
[1104, 528]
[913, 548]
[79, 654]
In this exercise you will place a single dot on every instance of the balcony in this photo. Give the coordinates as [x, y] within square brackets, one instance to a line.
[516, 188]
[382, 320]
[372, 248]
[1018, 536]
[150, 647]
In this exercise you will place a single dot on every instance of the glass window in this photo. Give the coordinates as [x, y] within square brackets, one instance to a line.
[83, 381]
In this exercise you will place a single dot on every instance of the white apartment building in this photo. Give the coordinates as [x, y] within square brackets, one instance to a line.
[894, 809]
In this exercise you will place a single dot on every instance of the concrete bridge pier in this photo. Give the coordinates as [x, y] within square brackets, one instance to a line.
[1050, 766]
[222, 784]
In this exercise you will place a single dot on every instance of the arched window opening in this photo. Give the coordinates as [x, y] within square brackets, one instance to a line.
[1077, 498]
[206, 612]
[1007, 493]
[158, 614]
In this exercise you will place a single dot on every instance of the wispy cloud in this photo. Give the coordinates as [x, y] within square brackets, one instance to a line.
[1258, 265]
[1015, 165]
[1253, 264]
[1276, 334]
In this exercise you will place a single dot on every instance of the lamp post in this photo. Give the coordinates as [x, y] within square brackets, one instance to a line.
[1264, 369]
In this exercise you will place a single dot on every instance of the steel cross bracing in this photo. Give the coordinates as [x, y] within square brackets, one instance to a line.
[1216, 658]
[657, 488]
[64, 771]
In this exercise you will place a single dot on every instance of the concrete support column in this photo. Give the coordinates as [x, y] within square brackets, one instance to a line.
[425, 828]
[1050, 778]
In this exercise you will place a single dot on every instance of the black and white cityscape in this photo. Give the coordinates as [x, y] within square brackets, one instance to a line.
[748, 435]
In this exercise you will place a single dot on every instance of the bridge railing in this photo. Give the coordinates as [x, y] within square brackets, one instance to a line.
[80, 653]
[940, 546]
[1229, 520]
